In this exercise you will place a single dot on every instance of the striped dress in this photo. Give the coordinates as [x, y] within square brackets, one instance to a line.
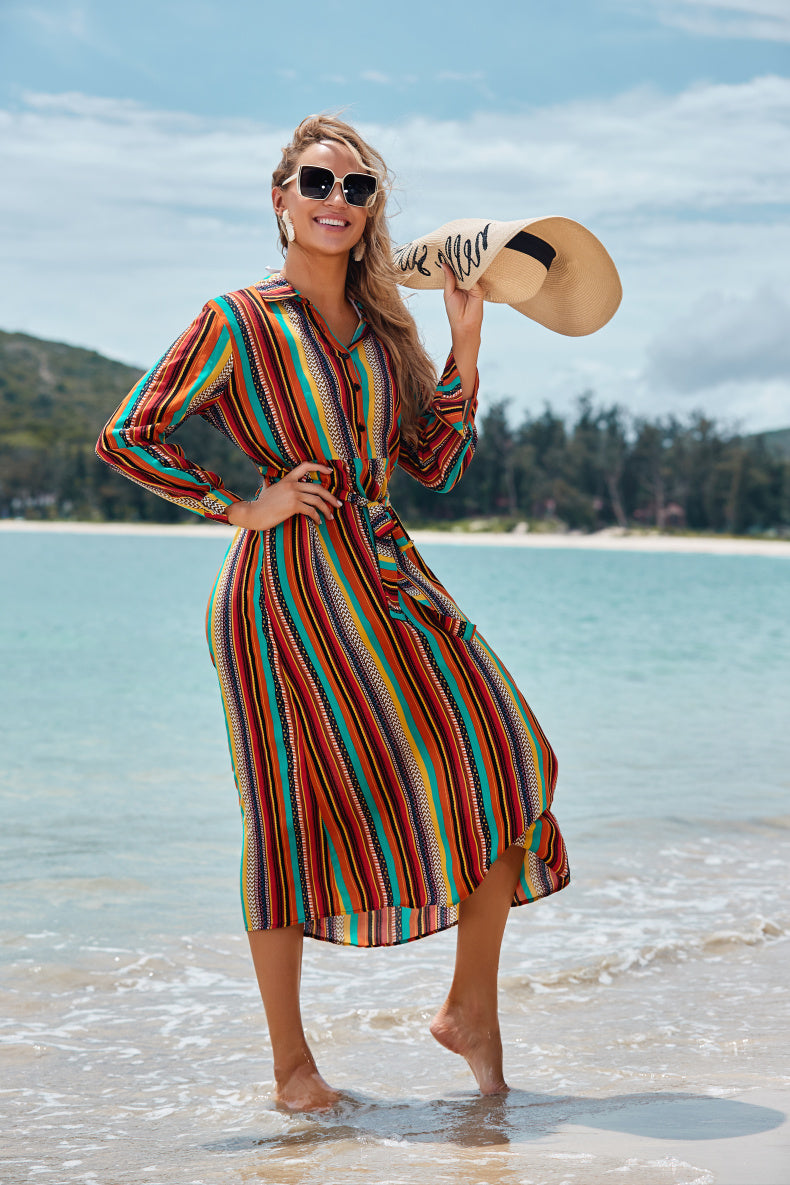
[383, 755]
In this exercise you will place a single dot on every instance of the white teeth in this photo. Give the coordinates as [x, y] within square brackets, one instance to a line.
[330, 222]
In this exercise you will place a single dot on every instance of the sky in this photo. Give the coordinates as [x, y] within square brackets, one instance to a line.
[137, 144]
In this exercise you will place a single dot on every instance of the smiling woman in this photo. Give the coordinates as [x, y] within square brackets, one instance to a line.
[317, 216]
[392, 778]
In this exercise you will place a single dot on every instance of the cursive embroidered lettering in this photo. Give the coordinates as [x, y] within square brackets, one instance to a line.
[412, 258]
[463, 254]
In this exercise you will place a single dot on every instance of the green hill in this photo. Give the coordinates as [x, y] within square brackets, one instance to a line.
[53, 394]
[54, 401]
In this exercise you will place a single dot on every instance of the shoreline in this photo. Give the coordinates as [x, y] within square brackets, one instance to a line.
[605, 540]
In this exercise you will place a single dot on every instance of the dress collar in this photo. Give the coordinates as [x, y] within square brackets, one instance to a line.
[276, 287]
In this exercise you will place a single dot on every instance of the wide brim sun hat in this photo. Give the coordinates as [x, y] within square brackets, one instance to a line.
[551, 269]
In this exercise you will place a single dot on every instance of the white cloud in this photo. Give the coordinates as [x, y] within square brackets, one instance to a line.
[722, 339]
[709, 148]
[762, 20]
[120, 221]
[376, 76]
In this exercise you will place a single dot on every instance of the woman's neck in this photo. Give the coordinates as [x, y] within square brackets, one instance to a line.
[320, 279]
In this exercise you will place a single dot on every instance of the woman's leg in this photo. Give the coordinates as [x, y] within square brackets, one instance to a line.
[277, 957]
[468, 1021]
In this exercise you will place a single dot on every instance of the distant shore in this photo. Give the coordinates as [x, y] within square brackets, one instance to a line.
[606, 540]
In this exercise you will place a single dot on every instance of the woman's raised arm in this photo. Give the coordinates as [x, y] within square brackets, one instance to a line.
[446, 434]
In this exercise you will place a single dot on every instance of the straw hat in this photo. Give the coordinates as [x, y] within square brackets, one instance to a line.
[550, 269]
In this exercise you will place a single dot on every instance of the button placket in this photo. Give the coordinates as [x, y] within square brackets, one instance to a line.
[352, 375]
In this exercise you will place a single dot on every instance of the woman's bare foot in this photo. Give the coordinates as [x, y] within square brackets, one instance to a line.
[476, 1039]
[305, 1090]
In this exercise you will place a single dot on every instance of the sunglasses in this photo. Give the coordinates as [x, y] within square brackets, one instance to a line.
[316, 182]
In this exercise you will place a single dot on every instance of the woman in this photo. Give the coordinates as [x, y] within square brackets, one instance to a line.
[391, 777]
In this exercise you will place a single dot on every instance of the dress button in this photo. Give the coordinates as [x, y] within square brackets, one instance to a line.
[357, 387]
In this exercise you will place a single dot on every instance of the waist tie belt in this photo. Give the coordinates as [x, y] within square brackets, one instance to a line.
[400, 576]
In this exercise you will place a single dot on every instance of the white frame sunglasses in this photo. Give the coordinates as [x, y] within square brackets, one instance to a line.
[322, 197]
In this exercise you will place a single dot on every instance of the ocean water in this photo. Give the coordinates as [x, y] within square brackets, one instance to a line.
[134, 1044]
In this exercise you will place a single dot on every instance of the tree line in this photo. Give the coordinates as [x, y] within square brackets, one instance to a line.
[609, 468]
[601, 467]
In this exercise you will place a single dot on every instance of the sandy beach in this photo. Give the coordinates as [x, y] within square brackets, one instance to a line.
[632, 1089]
[606, 540]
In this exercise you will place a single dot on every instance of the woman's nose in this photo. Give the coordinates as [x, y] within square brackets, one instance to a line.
[336, 190]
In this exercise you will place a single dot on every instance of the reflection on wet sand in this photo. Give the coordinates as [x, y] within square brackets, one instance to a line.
[469, 1141]
[519, 1117]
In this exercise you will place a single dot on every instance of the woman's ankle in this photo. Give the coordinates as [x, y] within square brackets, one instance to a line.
[475, 1006]
[289, 1064]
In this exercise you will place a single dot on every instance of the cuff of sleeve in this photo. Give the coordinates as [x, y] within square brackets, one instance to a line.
[216, 504]
[449, 402]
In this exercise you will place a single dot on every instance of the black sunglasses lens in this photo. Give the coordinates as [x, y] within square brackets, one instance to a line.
[315, 182]
[359, 188]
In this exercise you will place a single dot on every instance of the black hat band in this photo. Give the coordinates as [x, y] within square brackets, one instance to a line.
[529, 244]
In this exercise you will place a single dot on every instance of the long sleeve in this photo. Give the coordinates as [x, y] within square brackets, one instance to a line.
[446, 435]
[194, 373]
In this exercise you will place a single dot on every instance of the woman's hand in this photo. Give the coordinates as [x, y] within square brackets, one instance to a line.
[465, 314]
[292, 494]
[464, 306]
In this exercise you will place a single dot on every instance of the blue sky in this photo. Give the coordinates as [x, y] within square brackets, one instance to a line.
[276, 61]
[139, 141]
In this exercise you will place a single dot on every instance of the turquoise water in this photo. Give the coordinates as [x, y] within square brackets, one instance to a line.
[663, 682]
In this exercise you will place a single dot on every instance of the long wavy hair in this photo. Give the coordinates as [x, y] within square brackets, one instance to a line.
[373, 280]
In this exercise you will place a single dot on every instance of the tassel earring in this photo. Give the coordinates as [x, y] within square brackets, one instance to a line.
[287, 222]
[359, 250]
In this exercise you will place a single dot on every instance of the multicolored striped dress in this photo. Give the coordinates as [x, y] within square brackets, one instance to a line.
[383, 755]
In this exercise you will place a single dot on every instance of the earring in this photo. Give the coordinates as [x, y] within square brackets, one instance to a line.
[359, 250]
[290, 233]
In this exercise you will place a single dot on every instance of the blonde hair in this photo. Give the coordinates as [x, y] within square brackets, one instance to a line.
[373, 279]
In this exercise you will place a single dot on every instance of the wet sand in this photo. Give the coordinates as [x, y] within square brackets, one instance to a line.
[676, 1075]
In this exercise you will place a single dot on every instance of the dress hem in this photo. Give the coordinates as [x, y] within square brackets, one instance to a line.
[384, 926]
